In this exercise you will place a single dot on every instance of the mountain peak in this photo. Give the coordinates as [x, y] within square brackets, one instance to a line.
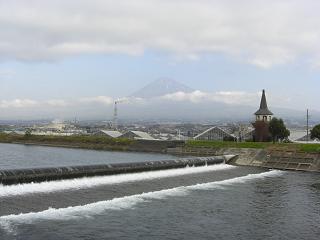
[160, 87]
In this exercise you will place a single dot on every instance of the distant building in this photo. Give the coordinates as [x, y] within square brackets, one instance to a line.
[15, 132]
[53, 133]
[301, 136]
[261, 124]
[109, 133]
[56, 128]
[215, 134]
[170, 137]
[246, 135]
[138, 135]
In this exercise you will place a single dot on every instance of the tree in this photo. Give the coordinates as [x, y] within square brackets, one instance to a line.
[229, 139]
[315, 132]
[278, 130]
[28, 133]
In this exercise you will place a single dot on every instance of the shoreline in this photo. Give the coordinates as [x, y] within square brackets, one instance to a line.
[266, 155]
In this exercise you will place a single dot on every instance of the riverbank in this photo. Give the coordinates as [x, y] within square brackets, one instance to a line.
[284, 156]
[277, 156]
[92, 142]
[288, 156]
[306, 148]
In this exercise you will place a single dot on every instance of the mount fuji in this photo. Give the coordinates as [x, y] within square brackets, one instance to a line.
[161, 87]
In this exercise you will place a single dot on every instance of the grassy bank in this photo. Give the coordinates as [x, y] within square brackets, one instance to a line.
[90, 142]
[105, 143]
[261, 145]
[221, 144]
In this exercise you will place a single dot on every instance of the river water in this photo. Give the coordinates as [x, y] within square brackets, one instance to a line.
[13, 156]
[211, 202]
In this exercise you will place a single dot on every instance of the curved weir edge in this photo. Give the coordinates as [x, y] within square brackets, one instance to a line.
[16, 176]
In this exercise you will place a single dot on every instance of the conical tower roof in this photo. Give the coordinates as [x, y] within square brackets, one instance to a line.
[263, 110]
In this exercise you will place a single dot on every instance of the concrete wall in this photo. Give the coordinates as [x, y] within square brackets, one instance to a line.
[277, 159]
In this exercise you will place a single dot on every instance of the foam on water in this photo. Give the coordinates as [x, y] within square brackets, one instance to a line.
[126, 202]
[231, 181]
[89, 182]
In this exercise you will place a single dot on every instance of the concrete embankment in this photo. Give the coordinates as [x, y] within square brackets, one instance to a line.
[268, 158]
[16, 176]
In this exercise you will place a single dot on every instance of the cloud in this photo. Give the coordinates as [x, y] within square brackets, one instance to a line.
[99, 99]
[18, 103]
[58, 103]
[262, 33]
[101, 107]
[229, 97]
[196, 96]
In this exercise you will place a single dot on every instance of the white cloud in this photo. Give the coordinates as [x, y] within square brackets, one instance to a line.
[99, 99]
[195, 96]
[102, 106]
[263, 33]
[18, 103]
[57, 103]
[229, 97]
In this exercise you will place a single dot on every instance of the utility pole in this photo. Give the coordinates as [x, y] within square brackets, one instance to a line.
[307, 125]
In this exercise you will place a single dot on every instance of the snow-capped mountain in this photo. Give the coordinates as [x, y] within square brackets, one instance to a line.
[161, 87]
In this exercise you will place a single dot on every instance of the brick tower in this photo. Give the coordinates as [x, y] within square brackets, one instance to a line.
[261, 125]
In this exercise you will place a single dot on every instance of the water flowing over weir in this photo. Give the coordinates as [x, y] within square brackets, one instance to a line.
[125, 202]
[193, 202]
[8, 177]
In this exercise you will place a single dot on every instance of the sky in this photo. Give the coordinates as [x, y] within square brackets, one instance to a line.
[77, 54]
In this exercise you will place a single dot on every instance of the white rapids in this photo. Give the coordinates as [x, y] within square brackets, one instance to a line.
[89, 182]
[125, 202]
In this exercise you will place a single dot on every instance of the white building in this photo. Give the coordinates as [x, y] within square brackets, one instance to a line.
[300, 136]
[215, 134]
[138, 135]
[110, 133]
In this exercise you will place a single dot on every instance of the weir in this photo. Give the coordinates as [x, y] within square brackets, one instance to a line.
[16, 176]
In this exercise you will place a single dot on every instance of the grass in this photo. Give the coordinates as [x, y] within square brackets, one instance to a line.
[77, 139]
[308, 148]
[100, 142]
[226, 144]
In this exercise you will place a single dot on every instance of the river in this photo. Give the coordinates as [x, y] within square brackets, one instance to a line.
[210, 202]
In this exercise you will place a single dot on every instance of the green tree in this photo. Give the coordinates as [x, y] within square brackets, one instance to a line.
[28, 133]
[278, 130]
[315, 132]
